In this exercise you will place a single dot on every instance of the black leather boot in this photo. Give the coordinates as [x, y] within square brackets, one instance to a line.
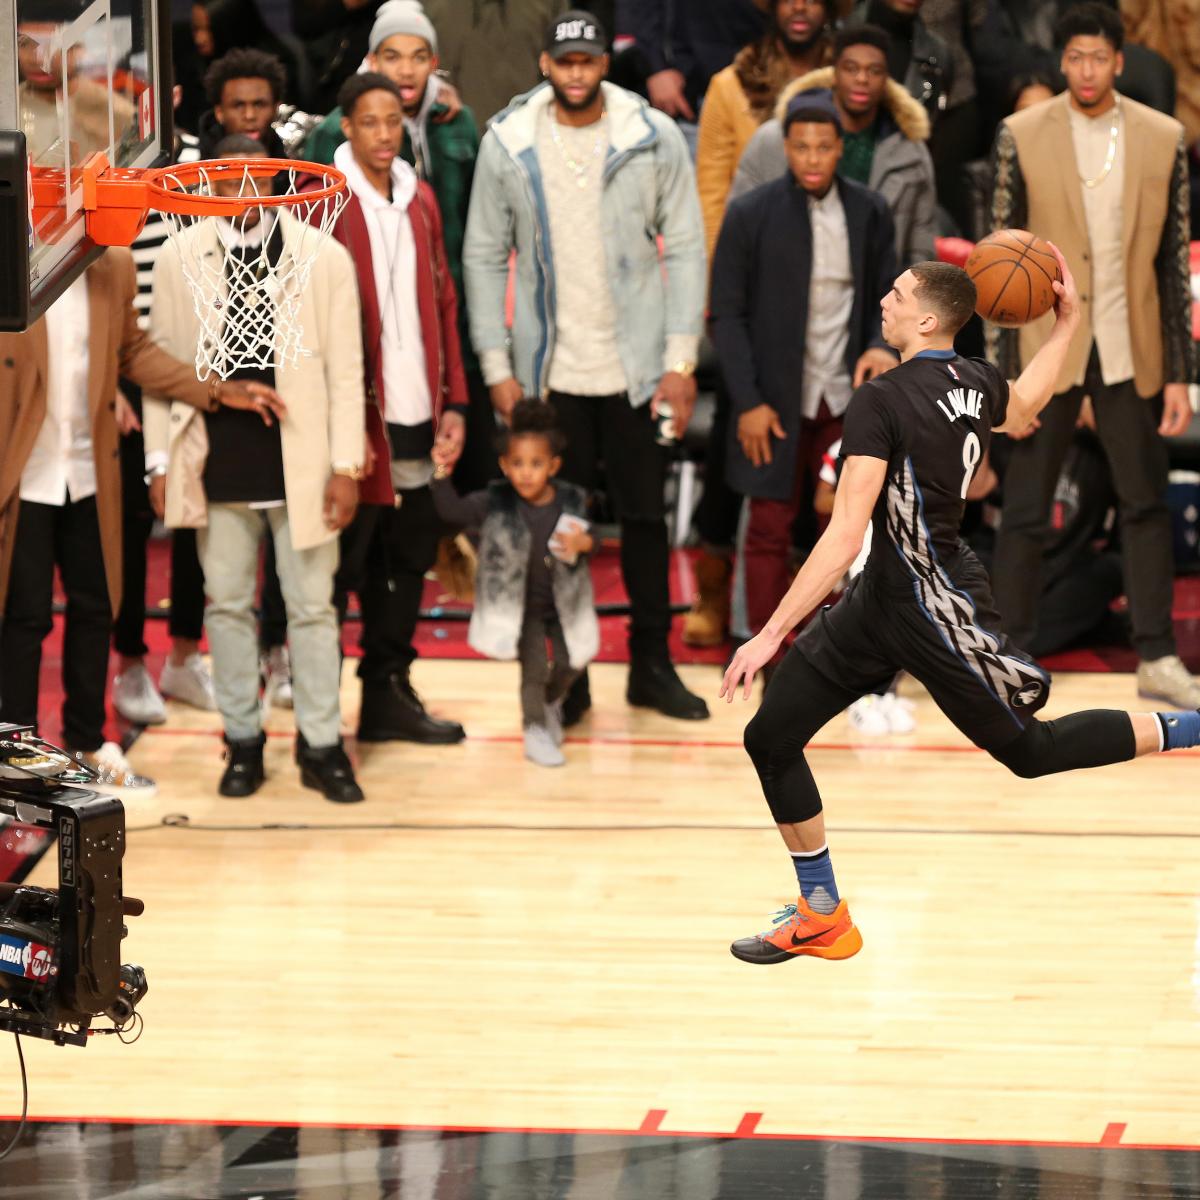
[653, 683]
[329, 771]
[244, 772]
[392, 712]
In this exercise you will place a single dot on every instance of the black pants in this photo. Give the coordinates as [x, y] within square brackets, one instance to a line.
[479, 464]
[272, 614]
[1077, 604]
[385, 555]
[1128, 431]
[545, 678]
[720, 507]
[801, 699]
[69, 537]
[187, 580]
[611, 441]
[187, 587]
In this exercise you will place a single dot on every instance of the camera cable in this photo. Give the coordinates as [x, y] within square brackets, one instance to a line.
[16, 1137]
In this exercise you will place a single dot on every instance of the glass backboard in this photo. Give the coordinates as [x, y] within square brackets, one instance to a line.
[77, 78]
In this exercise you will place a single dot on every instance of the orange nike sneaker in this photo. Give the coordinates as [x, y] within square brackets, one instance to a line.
[800, 931]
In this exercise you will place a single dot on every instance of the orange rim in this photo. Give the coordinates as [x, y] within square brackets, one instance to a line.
[166, 186]
[117, 200]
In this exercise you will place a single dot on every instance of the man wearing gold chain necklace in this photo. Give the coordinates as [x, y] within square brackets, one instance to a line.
[1105, 179]
[594, 191]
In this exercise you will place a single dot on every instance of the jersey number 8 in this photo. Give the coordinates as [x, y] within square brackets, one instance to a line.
[971, 454]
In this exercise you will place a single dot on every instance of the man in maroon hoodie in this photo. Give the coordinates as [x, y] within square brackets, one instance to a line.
[416, 393]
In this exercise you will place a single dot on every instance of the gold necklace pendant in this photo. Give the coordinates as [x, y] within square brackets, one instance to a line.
[1111, 156]
[579, 169]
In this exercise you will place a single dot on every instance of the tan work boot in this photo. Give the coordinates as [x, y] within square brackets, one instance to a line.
[708, 622]
[1168, 679]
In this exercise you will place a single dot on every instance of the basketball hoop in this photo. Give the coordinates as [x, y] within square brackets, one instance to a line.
[248, 269]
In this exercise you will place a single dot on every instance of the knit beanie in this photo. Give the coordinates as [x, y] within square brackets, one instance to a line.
[402, 16]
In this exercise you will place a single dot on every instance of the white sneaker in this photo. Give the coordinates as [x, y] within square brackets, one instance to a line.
[191, 683]
[540, 747]
[277, 678]
[116, 773]
[899, 713]
[1169, 680]
[136, 698]
[868, 715]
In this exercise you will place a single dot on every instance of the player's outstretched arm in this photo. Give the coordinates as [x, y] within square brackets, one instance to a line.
[1031, 391]
[857, 491]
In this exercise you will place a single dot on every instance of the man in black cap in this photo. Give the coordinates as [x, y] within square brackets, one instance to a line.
[800, 267]
[584, 180]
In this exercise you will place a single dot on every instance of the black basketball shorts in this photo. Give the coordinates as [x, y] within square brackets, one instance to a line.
[945, 633]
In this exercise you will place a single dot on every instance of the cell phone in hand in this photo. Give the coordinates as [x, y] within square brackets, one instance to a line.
[567, 524]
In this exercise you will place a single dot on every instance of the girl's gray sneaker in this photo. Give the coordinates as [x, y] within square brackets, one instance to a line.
[540, 747]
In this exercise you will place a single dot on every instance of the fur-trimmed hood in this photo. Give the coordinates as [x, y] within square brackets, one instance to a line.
[909, 116]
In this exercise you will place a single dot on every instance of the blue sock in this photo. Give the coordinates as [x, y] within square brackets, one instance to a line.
[815, 873]
[1179, 730]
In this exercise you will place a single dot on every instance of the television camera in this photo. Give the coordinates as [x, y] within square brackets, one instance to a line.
[60, 948]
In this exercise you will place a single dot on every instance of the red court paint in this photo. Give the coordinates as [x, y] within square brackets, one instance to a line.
[652, 1120]
[1114, 1131]
[747, 1125]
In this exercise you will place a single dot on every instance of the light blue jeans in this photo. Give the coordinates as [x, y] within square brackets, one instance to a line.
[229, 555]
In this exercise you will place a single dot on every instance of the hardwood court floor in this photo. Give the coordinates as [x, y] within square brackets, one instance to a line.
[486, 943]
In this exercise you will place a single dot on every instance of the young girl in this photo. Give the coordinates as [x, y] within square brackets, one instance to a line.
[533, 584]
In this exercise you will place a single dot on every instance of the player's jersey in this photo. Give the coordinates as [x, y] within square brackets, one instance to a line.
[931, 419]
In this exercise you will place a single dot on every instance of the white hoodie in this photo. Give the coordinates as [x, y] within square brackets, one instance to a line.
[394, 259]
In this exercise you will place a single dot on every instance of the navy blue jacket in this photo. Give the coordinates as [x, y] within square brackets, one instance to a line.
[759, 309]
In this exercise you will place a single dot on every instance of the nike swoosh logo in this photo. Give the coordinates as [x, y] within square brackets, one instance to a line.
[799, 941]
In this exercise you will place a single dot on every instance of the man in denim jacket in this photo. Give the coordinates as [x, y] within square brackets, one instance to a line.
[595, 192]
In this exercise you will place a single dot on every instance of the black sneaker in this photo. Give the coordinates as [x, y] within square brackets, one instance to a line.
[329, 771]
[653, 683]
[244, 772]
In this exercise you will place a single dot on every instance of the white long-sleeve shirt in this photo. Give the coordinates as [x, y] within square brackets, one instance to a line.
[62, 465]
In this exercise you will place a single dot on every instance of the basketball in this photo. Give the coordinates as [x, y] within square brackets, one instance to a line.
[1013, 272]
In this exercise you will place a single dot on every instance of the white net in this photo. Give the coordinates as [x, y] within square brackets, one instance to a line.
[248, 272]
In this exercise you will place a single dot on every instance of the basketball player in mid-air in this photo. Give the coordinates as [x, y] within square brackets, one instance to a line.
[913, 440]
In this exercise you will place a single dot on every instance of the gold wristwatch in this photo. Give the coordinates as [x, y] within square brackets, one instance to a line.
[685, 368]
[349, 472]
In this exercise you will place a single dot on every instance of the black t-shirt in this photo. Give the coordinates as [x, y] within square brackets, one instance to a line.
[245, 455]
[931, 420]
[539, 583]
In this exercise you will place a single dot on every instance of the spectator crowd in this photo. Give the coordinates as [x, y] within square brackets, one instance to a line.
[563, 227]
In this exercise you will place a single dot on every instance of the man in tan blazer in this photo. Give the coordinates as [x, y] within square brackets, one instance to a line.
[60, 491]
[295, 478]
[1105, 179]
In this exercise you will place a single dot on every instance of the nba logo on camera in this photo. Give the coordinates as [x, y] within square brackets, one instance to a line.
[29, 959]
[36, 961]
